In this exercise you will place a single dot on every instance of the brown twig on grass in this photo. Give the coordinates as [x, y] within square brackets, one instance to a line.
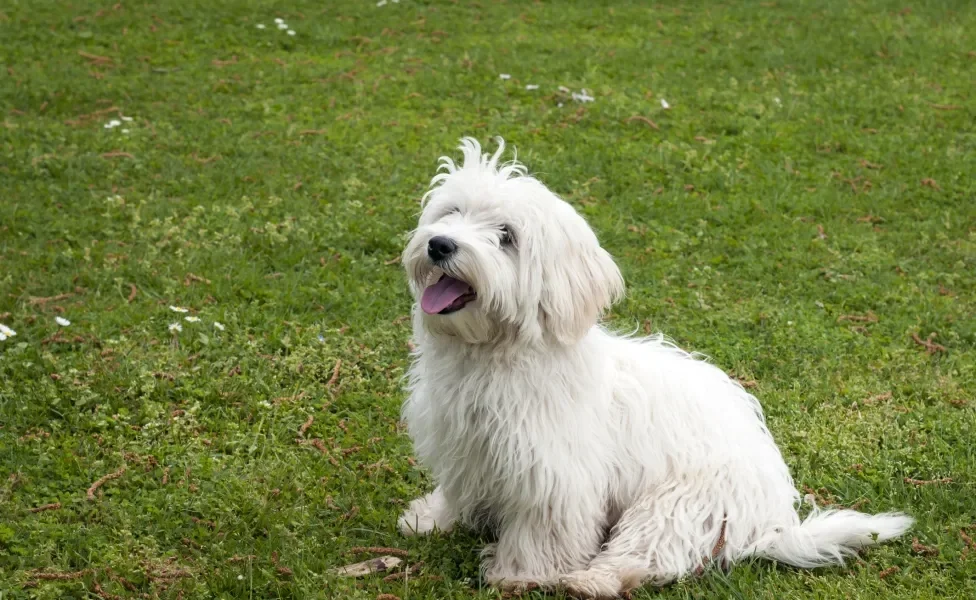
[38, 301]
[923, 550]
[61, 576]
[46, 507]
[305, 426]
[645, 120]
[335, 373]
[190, 278]
[95, 59]
[928, 481]
[321, 446]
[888, 571]
[930, 346]
[102, 480]
[133, 291]
[870, 317]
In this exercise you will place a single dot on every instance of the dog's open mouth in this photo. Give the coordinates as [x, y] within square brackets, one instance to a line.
[446, 296]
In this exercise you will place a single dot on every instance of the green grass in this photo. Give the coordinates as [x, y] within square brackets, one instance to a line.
[816, 163]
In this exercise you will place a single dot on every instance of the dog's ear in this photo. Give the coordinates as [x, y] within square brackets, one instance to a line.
[579, 286]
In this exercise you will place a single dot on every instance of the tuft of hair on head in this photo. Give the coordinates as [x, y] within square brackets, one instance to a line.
[473, 159]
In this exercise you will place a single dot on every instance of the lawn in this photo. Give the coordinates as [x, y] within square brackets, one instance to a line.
[787, 187]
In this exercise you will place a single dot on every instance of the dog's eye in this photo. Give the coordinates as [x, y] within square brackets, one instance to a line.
[506, 237]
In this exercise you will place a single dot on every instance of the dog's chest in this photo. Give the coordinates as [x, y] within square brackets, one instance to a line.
[494, 436]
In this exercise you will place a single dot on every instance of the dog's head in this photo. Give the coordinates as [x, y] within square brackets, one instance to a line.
[496, 255]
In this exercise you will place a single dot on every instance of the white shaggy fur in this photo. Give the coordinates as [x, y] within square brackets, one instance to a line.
[600, 461]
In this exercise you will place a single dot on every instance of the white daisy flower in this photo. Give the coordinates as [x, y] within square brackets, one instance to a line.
[583, 96]
[178, 309]
[282, 26]
[504, 76]
[175, 327]
[6, 332]
[191, 319]
[62, 321]
[664, 104]
[260, 25]
[291, 32]
[219, 325]
[279, 21]
[532, 86]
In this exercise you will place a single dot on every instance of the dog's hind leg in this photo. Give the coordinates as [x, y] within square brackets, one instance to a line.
[667, 533]
[427, 514]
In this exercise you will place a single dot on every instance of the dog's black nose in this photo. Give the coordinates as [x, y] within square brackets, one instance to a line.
[440, 247]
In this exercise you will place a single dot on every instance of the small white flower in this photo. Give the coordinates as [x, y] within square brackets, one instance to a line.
[282, 26]
[583, 96]
[178, 309]
[6, 332]
[291, 32]
[564, 89]
[260, 25]
[504, 76]
[126, 118]
[191, 319]
[115, 122]
[240, 578]
[664, 104]
[62, 321]
[778, 101]
[219, 325]
[279, 21]
[532, 86]
[381, 3]
[560, 105]
[175, 327]
[264, 404]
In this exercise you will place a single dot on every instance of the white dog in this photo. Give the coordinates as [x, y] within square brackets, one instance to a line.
[601, 462]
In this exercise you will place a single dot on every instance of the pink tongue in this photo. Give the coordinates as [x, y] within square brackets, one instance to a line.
[442, 294]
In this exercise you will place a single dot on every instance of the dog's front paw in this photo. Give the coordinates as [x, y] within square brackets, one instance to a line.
[424, 516]
[413, 523]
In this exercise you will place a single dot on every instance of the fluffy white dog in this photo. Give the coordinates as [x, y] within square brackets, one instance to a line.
[600, 461]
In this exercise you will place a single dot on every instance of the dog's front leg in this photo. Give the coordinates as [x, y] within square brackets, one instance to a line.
[428, 513]
[535, 548]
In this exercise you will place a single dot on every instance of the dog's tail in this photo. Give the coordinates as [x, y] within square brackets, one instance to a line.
[827, 537]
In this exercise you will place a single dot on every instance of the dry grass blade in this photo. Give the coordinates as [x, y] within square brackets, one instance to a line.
[102, 480]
